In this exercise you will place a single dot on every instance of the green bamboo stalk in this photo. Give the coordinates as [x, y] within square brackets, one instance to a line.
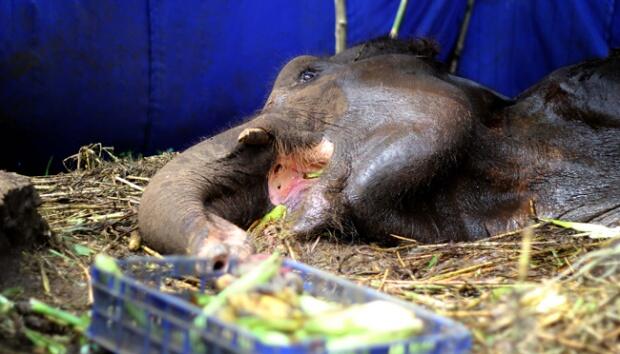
[58, 315]
[399, 19]
[341, 25]
[462, 35]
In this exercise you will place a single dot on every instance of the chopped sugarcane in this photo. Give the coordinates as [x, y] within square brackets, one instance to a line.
[60, 316]
[259, 275]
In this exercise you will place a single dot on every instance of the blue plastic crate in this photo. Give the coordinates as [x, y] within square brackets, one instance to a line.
[141, 312]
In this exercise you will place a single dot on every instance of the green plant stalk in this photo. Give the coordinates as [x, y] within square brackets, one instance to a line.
[108, 264]
[48, 166]
[341, 25]
[257, 276]
[276, 214]
[315, 174]
[271, 324]
[58, 315]
[6, 305]
[42, 341]
[595, 230]
[348, 342]
[399, 19]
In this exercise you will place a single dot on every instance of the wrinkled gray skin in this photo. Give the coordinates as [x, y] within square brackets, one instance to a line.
[417, 152]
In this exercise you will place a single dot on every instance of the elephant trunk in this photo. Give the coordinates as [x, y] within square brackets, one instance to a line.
[197, 202]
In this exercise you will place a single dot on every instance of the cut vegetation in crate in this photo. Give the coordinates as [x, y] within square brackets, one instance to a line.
[265, 307]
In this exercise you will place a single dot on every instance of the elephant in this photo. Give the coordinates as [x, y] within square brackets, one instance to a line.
[381, 139]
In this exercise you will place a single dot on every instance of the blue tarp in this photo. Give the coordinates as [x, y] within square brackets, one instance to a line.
[147, 75]
[511, 44]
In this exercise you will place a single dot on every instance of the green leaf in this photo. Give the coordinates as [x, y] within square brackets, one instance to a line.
[277, 213]
[433, 261]
[82, 250]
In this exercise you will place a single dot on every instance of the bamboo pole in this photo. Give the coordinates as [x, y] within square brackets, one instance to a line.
[399, 19]
[341, 25]
[462, 34]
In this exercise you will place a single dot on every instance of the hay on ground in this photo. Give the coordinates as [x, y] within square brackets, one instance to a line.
[564, 298]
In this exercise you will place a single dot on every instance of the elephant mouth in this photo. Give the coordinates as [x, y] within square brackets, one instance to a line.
[292, 175]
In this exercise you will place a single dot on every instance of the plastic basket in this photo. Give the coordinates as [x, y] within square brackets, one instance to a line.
[140, 313]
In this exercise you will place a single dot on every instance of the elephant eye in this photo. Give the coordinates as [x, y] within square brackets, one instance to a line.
[307, 75]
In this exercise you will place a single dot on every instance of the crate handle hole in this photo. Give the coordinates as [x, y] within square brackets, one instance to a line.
[220, 263]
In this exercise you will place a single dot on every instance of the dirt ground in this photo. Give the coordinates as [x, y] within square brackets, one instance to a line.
[547, 289]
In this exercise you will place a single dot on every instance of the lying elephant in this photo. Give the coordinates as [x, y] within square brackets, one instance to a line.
[381, 140]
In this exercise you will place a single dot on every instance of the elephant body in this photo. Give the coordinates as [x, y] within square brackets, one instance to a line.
[380, 140]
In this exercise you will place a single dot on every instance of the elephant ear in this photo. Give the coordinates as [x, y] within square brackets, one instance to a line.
[485, 101]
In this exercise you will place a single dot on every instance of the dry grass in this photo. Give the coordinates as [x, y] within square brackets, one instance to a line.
[562, 297]
[565, 299]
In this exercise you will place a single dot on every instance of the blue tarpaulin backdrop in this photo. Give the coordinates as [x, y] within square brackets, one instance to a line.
[147, 75]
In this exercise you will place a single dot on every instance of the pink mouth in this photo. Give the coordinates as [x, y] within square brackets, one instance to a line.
[294, 195]
[287, 184]
[289, 180]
